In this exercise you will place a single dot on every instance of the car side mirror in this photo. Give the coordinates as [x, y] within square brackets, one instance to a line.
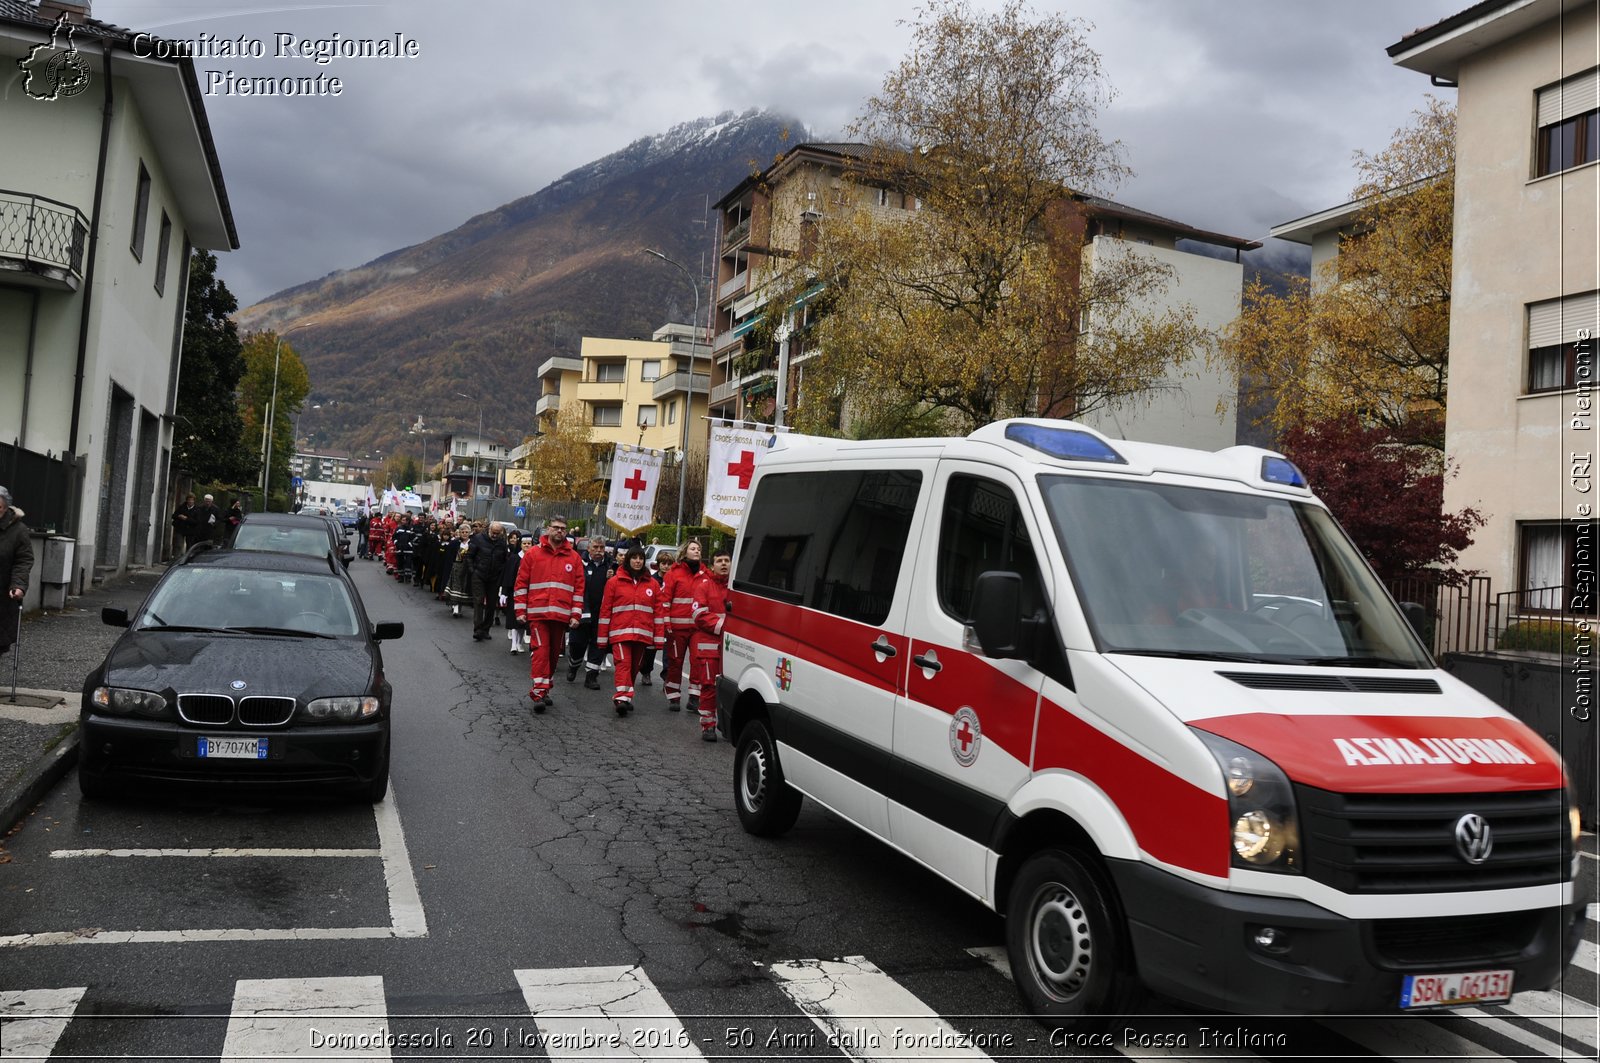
[111, 616]
[389, 629]
[997, 614]
[1417, 616]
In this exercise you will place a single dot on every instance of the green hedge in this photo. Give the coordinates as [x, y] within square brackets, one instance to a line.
[1549, 636]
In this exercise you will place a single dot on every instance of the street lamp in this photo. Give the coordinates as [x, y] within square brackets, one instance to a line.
[694, 343]
[478, 447]
[272, 412]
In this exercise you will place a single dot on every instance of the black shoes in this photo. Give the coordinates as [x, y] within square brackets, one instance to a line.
[624, 707]
[672, 705]
[644, 680]
[572, 672]
[540, 704]
[694, 702]
[708, 736]
[591, 681]
[478, 636]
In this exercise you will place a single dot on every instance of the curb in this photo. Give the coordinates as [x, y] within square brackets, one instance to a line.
[40, 776]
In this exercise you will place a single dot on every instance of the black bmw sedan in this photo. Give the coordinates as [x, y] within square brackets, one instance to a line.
[242, 667]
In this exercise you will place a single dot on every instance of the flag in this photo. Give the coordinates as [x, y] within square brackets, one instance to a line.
[734, 453]
[635, 474]
[372, 501]
[453, 508]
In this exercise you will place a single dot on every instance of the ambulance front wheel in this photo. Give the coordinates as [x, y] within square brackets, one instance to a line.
[767, 804]
[1068, 953]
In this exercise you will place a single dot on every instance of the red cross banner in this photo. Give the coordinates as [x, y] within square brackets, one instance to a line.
[635, 473]
[735, 450]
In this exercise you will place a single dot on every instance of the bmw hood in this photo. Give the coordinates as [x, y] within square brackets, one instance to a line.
[302, 668]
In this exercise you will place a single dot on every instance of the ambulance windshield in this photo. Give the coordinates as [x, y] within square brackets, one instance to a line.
[1221, 575]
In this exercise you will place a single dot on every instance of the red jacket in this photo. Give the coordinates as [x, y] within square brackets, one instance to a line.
[710, 610]
[632, 611]
[679, 589]
[549, 583]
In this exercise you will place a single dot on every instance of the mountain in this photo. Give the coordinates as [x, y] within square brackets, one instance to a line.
[476, 310]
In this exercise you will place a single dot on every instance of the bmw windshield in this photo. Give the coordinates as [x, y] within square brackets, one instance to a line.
[1179, 571]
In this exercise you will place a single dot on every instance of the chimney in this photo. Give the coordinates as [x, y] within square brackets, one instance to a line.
[77, 11]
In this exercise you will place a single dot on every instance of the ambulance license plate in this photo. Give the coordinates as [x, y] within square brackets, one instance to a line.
[233, 748]
[1455, 990]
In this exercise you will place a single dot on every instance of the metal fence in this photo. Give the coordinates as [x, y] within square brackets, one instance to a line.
[47, 489]
[1468, 617]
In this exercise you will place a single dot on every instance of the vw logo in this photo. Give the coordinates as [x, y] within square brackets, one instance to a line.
[237, 684]
[1474, 840]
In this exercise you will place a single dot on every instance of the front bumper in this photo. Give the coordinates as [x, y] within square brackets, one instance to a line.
[338, 755]
[1196, 945]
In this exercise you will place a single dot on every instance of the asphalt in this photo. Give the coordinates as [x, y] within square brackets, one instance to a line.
[41, 684]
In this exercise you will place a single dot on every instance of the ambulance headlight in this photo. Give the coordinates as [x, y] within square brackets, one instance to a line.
[1264, 824]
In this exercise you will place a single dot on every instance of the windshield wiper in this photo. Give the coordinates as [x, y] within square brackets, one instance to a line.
[1202, 655]
[1357, 662]
[183, 627]
[293, 631]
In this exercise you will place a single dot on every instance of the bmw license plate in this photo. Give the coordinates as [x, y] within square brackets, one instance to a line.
[233, 748]
[1455, 990]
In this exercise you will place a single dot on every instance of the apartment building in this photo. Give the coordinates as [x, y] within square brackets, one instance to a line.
[1525, 287]
[108, 178]
[766, 231]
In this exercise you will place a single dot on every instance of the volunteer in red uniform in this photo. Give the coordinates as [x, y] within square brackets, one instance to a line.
[632, 620]
[678, 587]
[710, 608]
[548, 595]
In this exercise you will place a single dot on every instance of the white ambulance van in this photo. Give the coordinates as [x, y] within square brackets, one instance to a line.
[1151, 705]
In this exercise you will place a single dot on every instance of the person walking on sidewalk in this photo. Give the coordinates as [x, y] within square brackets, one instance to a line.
[679, 589]
[631, 622]
[548, 593]
[184, 523]
[16, 563]
[486, 557]
[583, 649]
[705, 647]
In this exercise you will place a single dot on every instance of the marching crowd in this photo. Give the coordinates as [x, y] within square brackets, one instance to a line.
[580, 604]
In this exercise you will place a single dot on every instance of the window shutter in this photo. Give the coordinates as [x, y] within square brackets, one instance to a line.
[1571, 97]
[1558, 321]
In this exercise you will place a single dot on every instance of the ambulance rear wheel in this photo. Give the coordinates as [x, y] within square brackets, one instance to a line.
[767, 804]
[1068, 952]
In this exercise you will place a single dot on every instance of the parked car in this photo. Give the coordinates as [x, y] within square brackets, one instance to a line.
[293, 533]
[242, 667]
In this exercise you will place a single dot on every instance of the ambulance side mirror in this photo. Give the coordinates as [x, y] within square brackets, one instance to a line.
[997, 614]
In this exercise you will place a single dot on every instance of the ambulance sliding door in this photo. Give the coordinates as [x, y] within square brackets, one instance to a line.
[964, 727]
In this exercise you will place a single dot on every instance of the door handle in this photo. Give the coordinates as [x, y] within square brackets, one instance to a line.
[884, 646]
[930, 662]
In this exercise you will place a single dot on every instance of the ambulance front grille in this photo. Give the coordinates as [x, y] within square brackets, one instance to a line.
[1406, 843]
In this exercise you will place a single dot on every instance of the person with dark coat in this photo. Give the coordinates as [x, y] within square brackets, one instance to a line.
[404, 548]
[234, 518]
[363, 523]
[424, 545]
[486, 556]
[208, 518]
[508, 586]
[16, 564]
[184, 523]
[582, 647]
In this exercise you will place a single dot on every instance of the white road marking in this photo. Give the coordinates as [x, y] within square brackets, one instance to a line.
[603, 1013]
[320, 1018]
[46, 1011]
[1501, 1025]
[1402, 1039]
[406, 916]
[66, 854]
[867, 1014]
[1587, 957]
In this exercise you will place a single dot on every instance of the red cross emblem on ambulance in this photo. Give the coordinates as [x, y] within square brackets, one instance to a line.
[965, 736]
[784, 673]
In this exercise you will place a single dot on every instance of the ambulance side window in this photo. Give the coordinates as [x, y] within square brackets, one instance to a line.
[833, 541]
[982, 530]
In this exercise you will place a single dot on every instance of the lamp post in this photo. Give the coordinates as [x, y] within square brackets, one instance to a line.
[694, 343]
[272, 412]
[477, 454]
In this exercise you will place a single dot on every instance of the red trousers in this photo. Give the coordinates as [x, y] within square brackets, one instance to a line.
[545, 641]
[677, 650]
[627, 659]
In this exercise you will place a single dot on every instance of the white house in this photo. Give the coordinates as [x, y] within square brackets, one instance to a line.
[108, 177]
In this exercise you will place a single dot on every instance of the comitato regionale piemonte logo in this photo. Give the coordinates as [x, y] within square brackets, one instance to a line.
[52, 72]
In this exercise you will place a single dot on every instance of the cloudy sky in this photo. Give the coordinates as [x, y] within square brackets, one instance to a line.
[1235, 114]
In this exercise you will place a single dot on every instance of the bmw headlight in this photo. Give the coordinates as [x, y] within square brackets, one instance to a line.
[1265, 826]
[343, 710]
[121, 701]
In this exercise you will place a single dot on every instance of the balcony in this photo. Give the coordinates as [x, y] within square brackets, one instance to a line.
[736, 235]
[677, 383]
[548, 403]
[560, 363]
[724, 392]
[42, 241]
[733, 286]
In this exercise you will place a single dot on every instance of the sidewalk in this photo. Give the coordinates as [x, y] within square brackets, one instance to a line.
[39, 728]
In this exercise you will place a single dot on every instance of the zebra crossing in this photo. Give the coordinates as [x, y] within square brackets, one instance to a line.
[857, 1011]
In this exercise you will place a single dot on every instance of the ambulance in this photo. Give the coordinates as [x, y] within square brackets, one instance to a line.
[1152, 706]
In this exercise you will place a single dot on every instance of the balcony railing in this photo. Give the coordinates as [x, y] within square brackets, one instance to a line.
[560, 363]
[724, 392]
[42, 237]
[733, 286]
[736, 235]
[674, 383]
[547, 404]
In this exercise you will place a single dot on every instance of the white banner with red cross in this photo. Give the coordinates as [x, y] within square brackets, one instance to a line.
[735, 450]
[635, 474]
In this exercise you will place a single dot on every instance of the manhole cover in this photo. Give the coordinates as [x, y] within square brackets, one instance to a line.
[32, 701]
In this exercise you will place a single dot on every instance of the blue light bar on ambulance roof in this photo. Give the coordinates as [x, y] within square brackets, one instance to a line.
[1069, 443]
[1282, 471]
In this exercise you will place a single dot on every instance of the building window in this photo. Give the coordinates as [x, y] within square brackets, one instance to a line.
[161, 254]
[608, 416]
[141, 208]
[647, 416]
[1557, 568]
[1560, 343]
[672, 412]
[650, 370]
[1561, 366]
[883, 197]
[1569, 124]
[610, 372]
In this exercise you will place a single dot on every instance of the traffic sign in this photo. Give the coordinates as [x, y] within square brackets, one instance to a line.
[521, 511]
